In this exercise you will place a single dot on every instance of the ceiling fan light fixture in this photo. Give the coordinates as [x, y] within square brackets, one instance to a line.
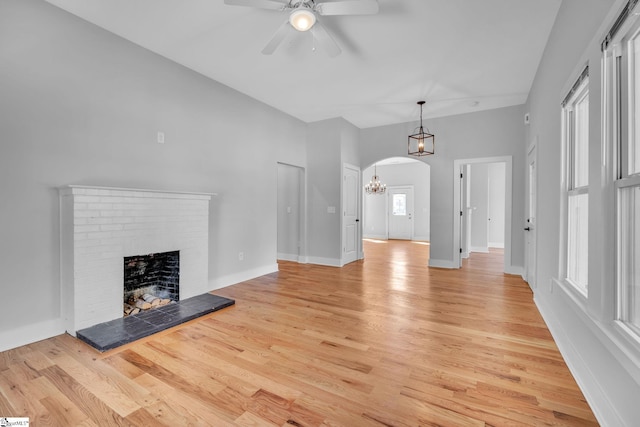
[302, 19]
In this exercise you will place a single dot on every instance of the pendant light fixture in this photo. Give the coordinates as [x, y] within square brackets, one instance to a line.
[375, 186]
[421, 143]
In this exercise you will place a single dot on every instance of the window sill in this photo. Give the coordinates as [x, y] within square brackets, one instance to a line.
[614, 335]
[577, 295]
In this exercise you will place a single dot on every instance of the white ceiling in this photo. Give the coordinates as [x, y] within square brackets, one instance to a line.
[457, 55]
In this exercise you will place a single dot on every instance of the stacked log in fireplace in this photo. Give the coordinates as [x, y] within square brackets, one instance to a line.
[145, 302]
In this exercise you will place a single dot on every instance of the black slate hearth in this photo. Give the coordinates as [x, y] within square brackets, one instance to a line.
[112, 334]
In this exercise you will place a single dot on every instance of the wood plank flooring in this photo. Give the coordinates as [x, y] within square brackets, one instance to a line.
[381, 342]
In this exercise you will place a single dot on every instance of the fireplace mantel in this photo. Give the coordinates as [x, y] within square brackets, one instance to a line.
[140, 192]
[100, 226]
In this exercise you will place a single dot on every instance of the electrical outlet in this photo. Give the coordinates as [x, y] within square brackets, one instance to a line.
[240, 256]
[160, 137]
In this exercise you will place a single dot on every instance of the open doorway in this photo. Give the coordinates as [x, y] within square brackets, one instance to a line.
[290, 205]
[404, 210]
[482, 207]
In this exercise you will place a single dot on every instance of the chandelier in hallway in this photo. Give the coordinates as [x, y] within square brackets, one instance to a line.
[375, 186]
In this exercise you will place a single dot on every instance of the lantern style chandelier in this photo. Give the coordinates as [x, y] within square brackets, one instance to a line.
[421, 143]
[375, 186]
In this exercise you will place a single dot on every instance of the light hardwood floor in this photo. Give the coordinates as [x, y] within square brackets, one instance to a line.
[381, 342]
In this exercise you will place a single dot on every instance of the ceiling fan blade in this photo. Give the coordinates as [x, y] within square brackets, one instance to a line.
[277, 38]
[348, 7]
[325, 40]
[260, 4]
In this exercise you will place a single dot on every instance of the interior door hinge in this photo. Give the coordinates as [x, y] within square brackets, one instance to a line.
[460, 213]
[461, 175]
[460, 250]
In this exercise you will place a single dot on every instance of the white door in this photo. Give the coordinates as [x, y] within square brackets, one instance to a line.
[350, 221]
[530, 226]
[400, 212]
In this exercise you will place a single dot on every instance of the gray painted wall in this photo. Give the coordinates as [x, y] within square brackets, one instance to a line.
[605, 363]
[330, 144]
[323, 183]
[79, 105]
[491, 133]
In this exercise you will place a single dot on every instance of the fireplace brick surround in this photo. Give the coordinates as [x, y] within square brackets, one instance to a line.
[101, 225]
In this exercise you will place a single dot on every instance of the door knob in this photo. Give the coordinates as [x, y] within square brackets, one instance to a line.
[527, 229]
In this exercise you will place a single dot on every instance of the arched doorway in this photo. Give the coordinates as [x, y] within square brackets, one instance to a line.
[406, 201]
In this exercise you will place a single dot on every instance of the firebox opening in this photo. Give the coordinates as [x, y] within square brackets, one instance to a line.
[151, 281]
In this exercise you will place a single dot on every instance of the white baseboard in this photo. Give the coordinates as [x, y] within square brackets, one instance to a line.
[242, 276]
[331, 262]
[425, 238]
[28, 334]
[592, 369]
[499, 245]
[480, 249]
[442, 263]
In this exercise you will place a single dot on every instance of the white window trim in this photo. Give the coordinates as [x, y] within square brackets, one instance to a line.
[614, 167]
[621, 268]
[577, 93]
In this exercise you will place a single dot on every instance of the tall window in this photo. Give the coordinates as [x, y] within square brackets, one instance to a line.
[575, 113]
[622, 106]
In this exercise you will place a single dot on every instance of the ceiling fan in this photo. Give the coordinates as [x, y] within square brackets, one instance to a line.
[303, 16]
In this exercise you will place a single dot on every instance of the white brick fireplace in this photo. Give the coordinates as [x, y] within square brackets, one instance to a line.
[100, 226]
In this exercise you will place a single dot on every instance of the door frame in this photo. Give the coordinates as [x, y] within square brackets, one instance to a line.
[389, 201]
[457, 164]
[302, 216]
[358, 201]
[532, 154]
[465, 218]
